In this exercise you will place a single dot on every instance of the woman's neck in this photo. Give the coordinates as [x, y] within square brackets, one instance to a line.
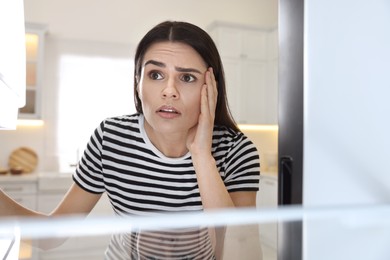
[171, 145]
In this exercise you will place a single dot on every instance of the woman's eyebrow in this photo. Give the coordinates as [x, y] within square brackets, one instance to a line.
[154, 62]
[180, 69]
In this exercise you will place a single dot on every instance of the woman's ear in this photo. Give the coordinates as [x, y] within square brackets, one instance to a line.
[137, 82]
[136, 78]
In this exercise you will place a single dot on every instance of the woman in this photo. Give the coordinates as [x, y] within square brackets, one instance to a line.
[181, 152]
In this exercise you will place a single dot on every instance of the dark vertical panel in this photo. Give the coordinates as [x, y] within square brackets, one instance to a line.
[290, 150]
[291, 95]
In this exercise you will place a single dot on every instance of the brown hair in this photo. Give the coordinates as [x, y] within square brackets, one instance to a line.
[202, 43]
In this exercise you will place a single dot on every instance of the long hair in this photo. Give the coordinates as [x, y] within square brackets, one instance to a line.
[201, 42]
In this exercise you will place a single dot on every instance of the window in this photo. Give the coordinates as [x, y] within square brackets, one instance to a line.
[90, 89]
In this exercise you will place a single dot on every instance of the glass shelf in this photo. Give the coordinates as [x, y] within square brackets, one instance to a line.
[342, 232]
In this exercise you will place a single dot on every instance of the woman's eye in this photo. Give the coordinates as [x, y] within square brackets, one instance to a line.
[188, 78]
[155, 75]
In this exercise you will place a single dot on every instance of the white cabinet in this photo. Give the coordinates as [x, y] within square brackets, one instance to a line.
[239, 41]
[244, 77]
[35, 40]
[273, 45]
[78, 247]
[268, 191]
[51, 192]
[249, 56]
[267, 197]
[43, 193]
[242, 242]
[22, 191]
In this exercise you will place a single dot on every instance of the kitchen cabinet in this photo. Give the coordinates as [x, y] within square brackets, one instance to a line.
[242, 242]
[244, 94]
[239, 41]
[249, 56]
[35, 41]
[267, 197]
[43, 192]
[51, 190]
[77, 247]
[22, 189]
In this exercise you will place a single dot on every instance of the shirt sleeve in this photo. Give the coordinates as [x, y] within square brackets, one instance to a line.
[89, 174]
[242, 165]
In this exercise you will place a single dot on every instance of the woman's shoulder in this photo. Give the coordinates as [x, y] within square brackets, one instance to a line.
[228, 140]
[124, 118]
[225, 134]
[124, 121]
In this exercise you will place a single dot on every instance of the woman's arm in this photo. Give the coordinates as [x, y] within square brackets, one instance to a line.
[213, 191]
[11, 208]
[211, 187]
[76, 201]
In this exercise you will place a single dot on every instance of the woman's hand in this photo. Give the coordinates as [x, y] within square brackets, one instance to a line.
[199, 140]
[212, 189]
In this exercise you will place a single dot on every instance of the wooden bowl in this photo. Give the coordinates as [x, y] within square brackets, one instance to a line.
[24, 158]
[16, 170]
[3, 171]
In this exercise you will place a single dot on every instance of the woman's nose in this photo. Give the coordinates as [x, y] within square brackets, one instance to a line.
[170, 90]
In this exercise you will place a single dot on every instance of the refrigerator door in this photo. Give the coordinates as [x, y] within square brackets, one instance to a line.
[290, 148]
[347, 126]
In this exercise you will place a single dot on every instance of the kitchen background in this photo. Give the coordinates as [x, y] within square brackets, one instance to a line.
[79, 71]
[84, 69]
[338, 155]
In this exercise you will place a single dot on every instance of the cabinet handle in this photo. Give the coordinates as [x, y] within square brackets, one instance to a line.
[286, 169]
[13, 189]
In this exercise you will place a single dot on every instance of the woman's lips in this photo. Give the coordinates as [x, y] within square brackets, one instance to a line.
[168, 112]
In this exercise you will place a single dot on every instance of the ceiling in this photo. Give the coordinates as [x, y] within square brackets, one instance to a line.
[126, 21]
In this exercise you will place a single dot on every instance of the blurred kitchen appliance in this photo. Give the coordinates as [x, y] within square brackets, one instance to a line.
[12, 62]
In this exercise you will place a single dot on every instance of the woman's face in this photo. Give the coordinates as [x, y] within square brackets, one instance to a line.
[171, 80]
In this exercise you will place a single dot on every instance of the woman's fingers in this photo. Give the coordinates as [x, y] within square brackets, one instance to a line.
[200, 136]
[205, 106]
[212, 91]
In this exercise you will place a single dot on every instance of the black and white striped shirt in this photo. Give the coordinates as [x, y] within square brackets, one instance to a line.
[140, 180]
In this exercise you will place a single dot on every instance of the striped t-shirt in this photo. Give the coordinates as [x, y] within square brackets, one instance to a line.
[140, 180]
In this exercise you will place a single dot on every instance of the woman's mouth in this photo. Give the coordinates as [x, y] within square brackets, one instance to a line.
[168, 112]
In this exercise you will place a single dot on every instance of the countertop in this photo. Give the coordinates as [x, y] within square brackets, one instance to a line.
[55, 181]
[22, 177]
[45, 181]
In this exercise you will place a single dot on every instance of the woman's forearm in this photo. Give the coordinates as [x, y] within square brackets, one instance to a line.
[11, 208]
[212, 190]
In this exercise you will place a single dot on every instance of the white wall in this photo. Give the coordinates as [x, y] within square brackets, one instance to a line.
[127, 21]
[43, 138]
[346, 147]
